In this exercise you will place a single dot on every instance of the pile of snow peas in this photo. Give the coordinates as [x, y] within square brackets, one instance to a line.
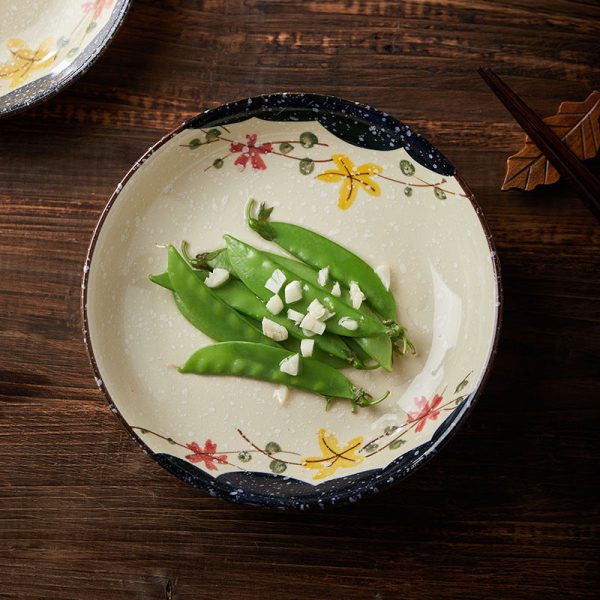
[339, 314]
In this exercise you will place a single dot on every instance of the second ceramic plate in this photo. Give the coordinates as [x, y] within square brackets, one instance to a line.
[45, 44]
[353, 174]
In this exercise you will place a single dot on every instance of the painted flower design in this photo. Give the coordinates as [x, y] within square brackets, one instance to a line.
[98, 6]
[335, 456]
[207, 455]
[352, 178]
[427, 410]
[26, 60]
[250, 152]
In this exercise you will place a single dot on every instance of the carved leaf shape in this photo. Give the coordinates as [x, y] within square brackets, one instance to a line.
[577, 124]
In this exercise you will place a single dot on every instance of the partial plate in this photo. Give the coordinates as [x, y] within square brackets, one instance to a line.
[45, 44]
[395, 201]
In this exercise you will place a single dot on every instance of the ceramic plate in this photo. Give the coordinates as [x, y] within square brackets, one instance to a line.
[45, 44]
[351, 173]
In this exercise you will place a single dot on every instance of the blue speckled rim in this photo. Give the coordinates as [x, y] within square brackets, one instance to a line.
[45, 87]
[365, 127]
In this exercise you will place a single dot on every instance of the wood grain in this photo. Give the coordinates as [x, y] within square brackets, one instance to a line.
[509, 509]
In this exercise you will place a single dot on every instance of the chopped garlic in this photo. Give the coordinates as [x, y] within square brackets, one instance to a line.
[319, 328]
[316, 309]
[275, 282]
[348, 323]
[281, 394]
[217, 277]
[336, 290]
[356, 295]
[275, 305]
[293, 292]
[307, 347]
[323, 276]
[308, 333]
[290, 365]
[274, 330]
[312, 324]
[328, 314]
[383, 272]
[294, 315]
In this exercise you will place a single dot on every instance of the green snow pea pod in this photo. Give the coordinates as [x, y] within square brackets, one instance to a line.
[258, 361]
[320, 252]
[378, 347]
[165, 281]
[238, 296]
[254, 268]
[293, 345]
[204, 309]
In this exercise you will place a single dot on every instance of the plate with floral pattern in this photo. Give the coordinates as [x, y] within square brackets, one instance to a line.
[45, 44]
[356, 176]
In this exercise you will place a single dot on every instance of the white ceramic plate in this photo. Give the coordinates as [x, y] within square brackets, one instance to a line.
[45, 44]
[407, 210]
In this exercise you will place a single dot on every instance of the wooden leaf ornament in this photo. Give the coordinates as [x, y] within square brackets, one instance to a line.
[578, 126]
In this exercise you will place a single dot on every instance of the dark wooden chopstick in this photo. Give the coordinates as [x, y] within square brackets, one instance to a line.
[559, 154]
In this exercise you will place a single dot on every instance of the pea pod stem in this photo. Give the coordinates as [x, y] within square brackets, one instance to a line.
[319, 251]
[259, 361]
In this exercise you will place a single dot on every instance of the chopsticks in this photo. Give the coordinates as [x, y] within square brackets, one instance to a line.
[559, 154]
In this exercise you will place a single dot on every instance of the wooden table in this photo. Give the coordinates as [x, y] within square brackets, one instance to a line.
[510, 508]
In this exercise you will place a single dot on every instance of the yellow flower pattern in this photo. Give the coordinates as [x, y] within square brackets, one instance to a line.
[352, 179]
[334, 455]
[26, 61]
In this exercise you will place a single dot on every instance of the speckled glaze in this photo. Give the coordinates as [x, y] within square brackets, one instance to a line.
[349, 172]
[45, 44]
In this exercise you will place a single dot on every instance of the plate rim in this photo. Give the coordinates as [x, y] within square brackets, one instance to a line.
[69, 75]
[345, 495]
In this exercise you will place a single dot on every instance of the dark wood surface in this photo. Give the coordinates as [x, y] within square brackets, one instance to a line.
[509, 509]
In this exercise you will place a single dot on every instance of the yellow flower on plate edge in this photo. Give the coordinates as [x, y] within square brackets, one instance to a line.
[26, 60]
[352, 178]
[334, 455]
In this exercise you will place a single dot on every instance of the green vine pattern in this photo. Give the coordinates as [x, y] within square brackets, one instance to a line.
[252, 153]
[335, 455]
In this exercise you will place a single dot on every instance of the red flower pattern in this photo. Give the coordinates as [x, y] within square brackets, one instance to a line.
[97, 6]
[207, 455]
[250, 152]
[426, 411]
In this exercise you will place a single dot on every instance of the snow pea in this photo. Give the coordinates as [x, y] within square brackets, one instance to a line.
[204, 309]
[378, 347]
[238, 296]
[258, 361]
[320, 252]
[255, 267]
